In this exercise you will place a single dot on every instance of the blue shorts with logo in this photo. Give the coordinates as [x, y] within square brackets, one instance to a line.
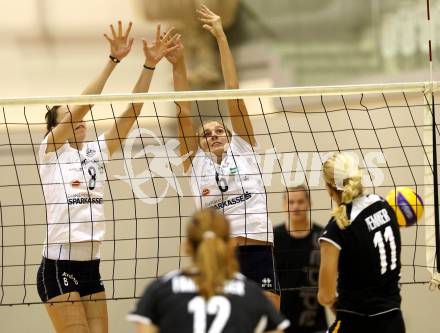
[58, 277]
[257, 264]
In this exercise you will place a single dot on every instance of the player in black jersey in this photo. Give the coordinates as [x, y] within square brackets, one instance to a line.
[360, 254]
[210, 296]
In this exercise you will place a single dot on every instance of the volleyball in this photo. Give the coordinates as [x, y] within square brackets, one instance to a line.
[407, 204]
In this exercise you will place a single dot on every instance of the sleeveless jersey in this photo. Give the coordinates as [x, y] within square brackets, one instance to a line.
[369, 259]
[173, 304]
[234, 187]
[73, 185]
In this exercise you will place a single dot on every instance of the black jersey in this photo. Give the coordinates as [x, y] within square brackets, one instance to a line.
[369, 259]
[173, 304]
[297, 263]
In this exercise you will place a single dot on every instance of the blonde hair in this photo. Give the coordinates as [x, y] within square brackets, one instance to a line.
[342, 175]
[213, 251]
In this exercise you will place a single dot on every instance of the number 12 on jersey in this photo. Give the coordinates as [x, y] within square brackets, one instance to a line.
[379, 242]
[216, 305]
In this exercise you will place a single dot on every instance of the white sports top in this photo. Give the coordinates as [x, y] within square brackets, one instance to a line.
[238, 190]
[73, 186]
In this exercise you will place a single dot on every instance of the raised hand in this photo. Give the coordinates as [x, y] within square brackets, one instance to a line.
[176, 54]
[161, 47]
[211, 21]
[120, 44]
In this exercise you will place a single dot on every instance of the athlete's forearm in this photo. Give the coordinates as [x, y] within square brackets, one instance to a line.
[97, 85]
[143, 84]
[94, 88]
[227, 62]
[180, 77]
[126, 119]
[185, 127]
[180, 80]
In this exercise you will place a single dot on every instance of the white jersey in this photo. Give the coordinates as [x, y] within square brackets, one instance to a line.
[234, 187]
[73, 185]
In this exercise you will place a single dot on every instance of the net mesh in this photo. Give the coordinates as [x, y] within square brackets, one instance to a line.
[148, 198]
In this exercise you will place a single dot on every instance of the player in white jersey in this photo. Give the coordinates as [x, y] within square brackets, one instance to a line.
[73, 174]
[224, 171]
[209, 296]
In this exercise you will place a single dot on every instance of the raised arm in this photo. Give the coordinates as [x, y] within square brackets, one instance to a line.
[153, 52]
[120, 46]
[185, 127]
[241, 122]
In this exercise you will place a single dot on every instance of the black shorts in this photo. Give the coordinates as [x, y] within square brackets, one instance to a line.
[58, 277]
[257, 264]
[390, 322]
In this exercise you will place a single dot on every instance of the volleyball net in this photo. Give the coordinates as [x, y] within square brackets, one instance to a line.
[148, 199]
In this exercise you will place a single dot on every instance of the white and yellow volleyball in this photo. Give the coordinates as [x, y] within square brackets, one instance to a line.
[407, 204]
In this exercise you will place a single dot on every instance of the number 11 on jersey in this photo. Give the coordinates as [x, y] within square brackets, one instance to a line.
[379, 242]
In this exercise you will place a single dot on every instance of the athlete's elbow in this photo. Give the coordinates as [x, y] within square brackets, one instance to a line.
[326, 298]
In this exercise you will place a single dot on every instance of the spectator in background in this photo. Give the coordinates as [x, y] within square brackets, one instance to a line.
[297, 262]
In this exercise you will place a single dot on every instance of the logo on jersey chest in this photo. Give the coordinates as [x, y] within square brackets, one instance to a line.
[227, 167]
[90, 151]
[234, 172]
[205, 192]
[266, 283]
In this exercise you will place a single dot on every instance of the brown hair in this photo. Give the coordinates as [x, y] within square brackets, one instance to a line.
[51, 118]
[342, 175]
[298, 188]
[212, 250]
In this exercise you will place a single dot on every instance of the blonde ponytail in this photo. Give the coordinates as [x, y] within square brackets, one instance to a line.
[342, 175]
[213, 251]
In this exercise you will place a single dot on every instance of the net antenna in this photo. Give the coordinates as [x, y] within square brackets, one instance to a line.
[431, 254]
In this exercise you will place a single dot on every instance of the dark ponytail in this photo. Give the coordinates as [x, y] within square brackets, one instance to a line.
[51, 118]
